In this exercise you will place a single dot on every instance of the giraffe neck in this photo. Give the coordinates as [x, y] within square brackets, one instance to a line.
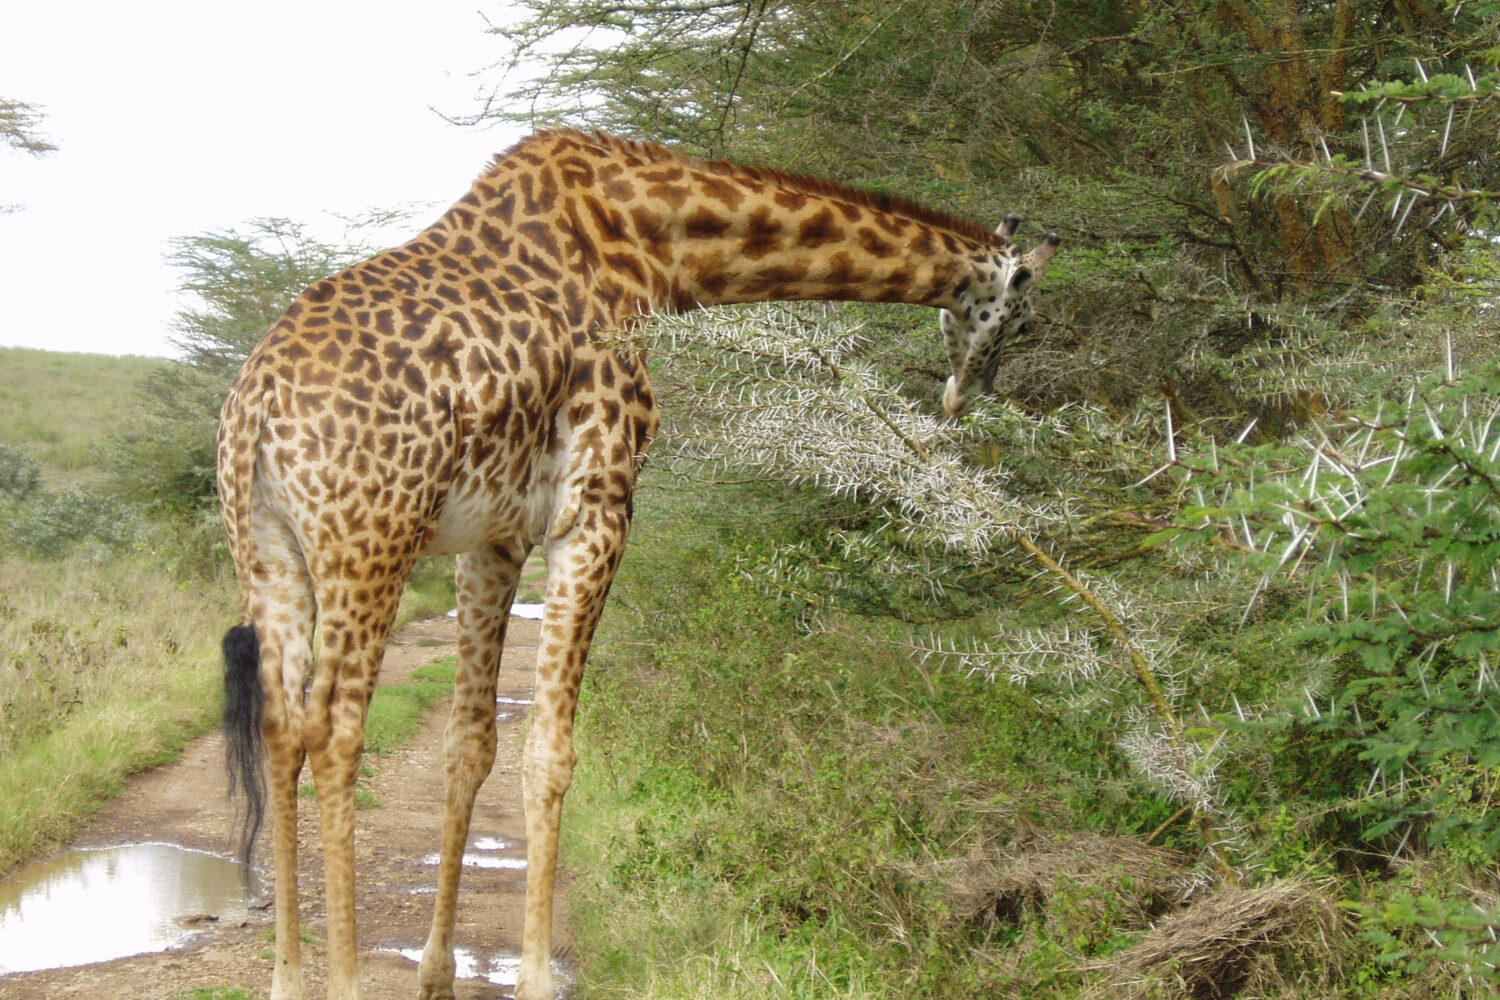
[645, 229]
[777, 242]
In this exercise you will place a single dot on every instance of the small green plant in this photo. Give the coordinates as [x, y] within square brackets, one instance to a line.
[1411, 931]
[396, 710]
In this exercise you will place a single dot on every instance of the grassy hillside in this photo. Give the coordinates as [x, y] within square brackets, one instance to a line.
[61, 407]
[103, 640]
[110, 615]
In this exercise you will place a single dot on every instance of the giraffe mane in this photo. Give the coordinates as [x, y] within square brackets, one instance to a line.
[965, 228]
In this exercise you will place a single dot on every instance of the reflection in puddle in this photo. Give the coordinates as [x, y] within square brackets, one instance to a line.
[487, 860]
[482, 861]
[502, 970]
[514, 701]
[94, 905]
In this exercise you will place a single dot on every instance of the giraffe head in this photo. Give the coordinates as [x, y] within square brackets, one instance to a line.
[993, 305]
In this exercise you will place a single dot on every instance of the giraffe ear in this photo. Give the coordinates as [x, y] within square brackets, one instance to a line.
[1007, 229]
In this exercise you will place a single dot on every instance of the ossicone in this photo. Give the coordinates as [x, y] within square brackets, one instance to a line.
[1039, 257]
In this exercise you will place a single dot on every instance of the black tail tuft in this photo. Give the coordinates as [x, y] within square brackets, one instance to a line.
[244, 703]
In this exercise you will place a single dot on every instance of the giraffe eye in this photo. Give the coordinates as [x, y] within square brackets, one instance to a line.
[1021, 278]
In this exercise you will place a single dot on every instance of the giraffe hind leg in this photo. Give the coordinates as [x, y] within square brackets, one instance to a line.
[356, 611]
[264, 716]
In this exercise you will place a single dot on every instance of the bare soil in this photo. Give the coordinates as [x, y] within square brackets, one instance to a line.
[184, 803]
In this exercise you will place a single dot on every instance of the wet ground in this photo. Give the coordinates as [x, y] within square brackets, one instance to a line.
[224, 939]
[92, 905]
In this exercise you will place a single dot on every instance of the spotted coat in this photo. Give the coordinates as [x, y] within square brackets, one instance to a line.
[474, 391]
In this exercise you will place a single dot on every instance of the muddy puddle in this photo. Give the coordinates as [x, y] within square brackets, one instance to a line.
[501, 969]
[94, 905]
[489, 852]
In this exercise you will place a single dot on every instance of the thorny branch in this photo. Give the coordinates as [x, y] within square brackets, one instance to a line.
[820, 416]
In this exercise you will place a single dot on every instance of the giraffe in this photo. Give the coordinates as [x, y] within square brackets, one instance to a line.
[469, 393]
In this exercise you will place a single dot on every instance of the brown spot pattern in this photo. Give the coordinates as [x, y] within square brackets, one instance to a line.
[469, 392]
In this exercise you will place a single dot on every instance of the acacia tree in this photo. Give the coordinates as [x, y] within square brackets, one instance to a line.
[1148, 96]
[239, 281]
[1118, 125]
[19, 124]
[19, 127]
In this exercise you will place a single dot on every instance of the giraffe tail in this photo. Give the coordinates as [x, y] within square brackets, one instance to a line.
[244, 704]
[242, 420]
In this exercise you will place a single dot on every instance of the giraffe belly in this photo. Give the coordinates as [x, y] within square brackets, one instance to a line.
[479, 514]
[472, 521]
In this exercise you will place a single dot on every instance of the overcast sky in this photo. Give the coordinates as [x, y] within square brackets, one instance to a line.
[174, 117]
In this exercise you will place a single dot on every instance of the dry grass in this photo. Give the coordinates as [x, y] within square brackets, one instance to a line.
[1232, 940]
[1085, 881]
[105, 667]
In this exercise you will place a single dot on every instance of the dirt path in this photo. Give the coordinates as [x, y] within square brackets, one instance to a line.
[183, 803]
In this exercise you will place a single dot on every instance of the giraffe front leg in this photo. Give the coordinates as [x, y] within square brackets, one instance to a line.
[547, 774]
[580, 567]
[486, 586]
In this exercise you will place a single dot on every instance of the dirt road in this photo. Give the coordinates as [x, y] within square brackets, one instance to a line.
[395, 846]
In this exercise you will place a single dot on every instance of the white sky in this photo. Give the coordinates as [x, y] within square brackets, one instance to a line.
[174, 117]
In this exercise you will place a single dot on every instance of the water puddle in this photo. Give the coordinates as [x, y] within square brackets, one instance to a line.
[500, 969]
[94, 905]
[485, 853]
[494, 844]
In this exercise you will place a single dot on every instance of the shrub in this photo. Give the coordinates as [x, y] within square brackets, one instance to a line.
[20, 474]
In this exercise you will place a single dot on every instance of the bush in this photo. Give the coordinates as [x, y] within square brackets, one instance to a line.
[20, 474]
[55, 522]
[45, 522]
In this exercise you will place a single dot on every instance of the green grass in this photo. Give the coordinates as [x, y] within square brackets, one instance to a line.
[105, 668]
[62, 407]
[396, 710]
[429, 591]
[394, 718]
[759, 810]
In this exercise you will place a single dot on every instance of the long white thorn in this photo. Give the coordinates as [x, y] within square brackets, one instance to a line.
[1171, 436]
